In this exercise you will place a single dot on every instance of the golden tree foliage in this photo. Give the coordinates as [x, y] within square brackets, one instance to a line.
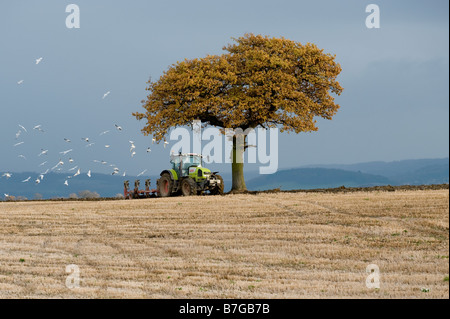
[260, 81]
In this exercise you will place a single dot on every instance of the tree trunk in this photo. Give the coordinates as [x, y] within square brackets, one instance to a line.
[237, 166]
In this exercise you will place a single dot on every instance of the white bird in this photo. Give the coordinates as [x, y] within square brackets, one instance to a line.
[148, 150]
[26, 180]
[119, 128]
[17, 144]
[106, 94]
[73, 168]
[67, 140]
[66, 183]
[23, 128]
[124, 173]
[165, 143]
[41, 176]
[18, 134]
[85, 139]
[115, 172]
[153, 140]
[22, 156]
[90, 144]
[65, 152]
[107, 146]
[103, 133]
[43, 163]
[132, 154]
[103, 162]
[37, 180]
[7, 175]
[77, 173]
[132, 147]
[39, 60]
[46, 171]
[89, 173]
[60, 163]
[142, 173]
[39, 128]
[20, 82]
[6, 195]
[44, 152]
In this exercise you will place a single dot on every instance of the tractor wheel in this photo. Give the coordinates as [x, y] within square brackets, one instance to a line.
[218, 189]
[188, 187]
[165, 185]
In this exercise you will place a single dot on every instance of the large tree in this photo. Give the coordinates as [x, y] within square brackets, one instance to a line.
[259, 82]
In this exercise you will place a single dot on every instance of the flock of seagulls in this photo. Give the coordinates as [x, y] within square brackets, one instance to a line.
[64, 164]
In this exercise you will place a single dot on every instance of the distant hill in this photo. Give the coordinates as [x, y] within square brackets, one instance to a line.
[388, 169]
[309, 178]
[407, 172]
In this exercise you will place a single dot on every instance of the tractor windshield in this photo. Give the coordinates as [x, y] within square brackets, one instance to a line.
[191, 160]
[186, 161]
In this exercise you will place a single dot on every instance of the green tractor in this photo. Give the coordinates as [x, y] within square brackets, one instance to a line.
[188, 177]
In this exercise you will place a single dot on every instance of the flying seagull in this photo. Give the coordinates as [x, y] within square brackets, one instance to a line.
[66, 183]
[37, 180]
[65, 152]
[142, 173]
[107, 146]
[165, 143]
[153, 140]
[44, 152]
[73, 168]
[67, 140]
[90, 144]
[7, 175]
[17, 144]
[119, 128]
[89, 173]
[26, 180]
[20, 82]
[148, 150]
[77, 173]
[39, 60]
[22, 156]
[132, 154]
[106, 94]
[18, 134]
[42, 164]
[23, 128]
[103, 133]
[38, 127]
[86, 139]
[70, 160]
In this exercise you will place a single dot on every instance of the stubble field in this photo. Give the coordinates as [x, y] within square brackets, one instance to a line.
[281, 245]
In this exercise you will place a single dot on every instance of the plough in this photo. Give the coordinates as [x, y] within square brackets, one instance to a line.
[138, 193]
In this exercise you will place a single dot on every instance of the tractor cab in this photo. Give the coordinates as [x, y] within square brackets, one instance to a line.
[185, 164]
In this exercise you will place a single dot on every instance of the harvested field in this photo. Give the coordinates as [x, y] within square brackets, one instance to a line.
[267, 245]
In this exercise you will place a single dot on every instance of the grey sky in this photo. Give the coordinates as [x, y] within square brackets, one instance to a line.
[395, 103]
